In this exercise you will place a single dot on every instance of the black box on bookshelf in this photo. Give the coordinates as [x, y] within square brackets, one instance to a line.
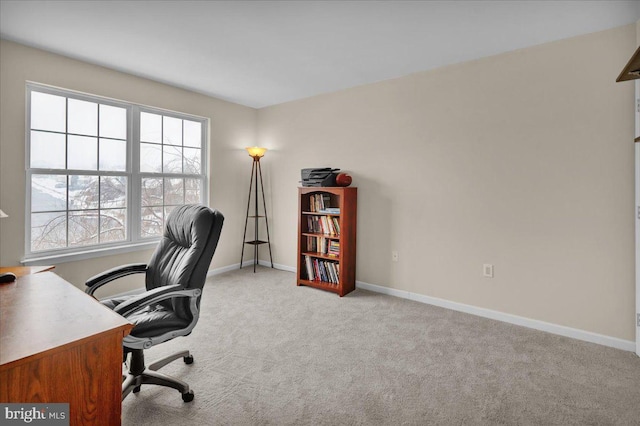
[319, 176]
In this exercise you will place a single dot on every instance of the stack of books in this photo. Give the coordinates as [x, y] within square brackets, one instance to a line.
[334, 248]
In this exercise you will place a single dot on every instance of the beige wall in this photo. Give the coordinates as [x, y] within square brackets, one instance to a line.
[522, 160]
[232, 128]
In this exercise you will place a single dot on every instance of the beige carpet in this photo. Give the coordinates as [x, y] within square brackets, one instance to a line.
[270, 353]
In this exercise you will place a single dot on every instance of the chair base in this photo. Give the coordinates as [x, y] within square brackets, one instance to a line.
[139, 374]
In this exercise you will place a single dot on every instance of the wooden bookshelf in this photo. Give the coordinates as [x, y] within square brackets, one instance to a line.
[327, 222]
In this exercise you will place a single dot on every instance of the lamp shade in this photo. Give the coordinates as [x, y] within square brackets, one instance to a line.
[256, 152]
[3, 214]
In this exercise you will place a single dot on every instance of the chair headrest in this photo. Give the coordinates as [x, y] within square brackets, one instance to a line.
[189, 224]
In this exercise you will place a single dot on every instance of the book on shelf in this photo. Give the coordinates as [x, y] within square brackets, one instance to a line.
[334, 248]
[312, 244]
[323, 245]
[327, 225]
[336, 225]
[317, 271]
[330, 210]
[323, 225]
[321, 203]
[322, 270]
[309, 268]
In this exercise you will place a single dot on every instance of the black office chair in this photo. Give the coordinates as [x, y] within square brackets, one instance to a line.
[169, 308]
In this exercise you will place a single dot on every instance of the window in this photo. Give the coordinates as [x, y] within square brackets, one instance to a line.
[104, 174]
[170, 167]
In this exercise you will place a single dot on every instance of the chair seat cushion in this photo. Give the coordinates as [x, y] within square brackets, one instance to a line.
[151, 321]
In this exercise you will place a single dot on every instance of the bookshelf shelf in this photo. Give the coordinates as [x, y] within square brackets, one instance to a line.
[320, 255]
[329, 236]
[327, 240]
[321, 214]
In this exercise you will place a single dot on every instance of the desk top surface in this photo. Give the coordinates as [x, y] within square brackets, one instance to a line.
[42, 313]
[21, 271]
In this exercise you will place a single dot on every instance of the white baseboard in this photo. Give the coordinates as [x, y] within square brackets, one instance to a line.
[222, 270]
[561, 330]
[277, 266]
[235, 266]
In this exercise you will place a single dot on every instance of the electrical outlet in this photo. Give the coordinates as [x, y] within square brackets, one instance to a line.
[394, 256]
[487, 270]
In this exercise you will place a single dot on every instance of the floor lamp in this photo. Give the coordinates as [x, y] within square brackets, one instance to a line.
[256, 153]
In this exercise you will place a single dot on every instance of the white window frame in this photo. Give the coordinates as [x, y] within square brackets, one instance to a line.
[637, 214]
[133, 241]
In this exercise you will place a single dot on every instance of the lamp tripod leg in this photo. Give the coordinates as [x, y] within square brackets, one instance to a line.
[246, 221]
[266, 218]
[255, 247]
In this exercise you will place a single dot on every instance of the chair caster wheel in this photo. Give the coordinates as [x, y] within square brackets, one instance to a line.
[188, 359]
[188, 397]
[136, 389]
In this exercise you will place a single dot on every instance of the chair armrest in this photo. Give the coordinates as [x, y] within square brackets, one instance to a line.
[105, 277]
[156, 295]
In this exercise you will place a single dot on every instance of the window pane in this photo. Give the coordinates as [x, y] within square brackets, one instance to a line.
[47, 150]
[152, 219]
[192, 191]
[113, 155]
[48, 193]
[48, 112]
[83, 228]
[113, 191]
[171, 159]
[83, 193]
[150, 158]
[173, 191]
[192, 158]
[150, 127]
[82, 153]
[167, 210]
[83, 117]
[113, 122]
[113, 225]
[48, 231]
[171, 131]
[151, 193]
[192, 134]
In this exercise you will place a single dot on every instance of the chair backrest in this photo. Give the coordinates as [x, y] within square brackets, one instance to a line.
[184, 253]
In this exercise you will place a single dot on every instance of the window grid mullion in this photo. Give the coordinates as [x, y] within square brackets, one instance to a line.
[162, 165]
[66, 165]
[99, 179]
[99, 209]
[134, 212]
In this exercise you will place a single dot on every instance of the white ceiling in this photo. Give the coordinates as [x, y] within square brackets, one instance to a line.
[269, 52]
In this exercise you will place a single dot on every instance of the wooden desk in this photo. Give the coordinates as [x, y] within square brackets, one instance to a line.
[21, 271]
[58, 344]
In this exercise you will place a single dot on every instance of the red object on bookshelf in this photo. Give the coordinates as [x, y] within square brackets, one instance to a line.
[343, 179]
[327, 238]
